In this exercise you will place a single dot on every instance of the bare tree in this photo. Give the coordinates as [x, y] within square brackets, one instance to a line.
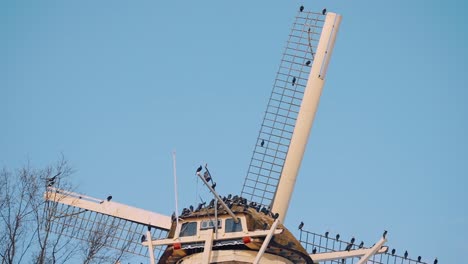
[26, 219]
[40, 230]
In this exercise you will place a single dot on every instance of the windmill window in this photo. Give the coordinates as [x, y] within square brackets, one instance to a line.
[188, 229]
[232, 226]
[209, 224]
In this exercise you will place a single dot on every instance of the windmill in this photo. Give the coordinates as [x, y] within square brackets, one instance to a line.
[245, 228]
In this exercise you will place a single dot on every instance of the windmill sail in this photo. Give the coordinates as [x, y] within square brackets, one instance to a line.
[104, 223]
[317, 244]
[301, 72]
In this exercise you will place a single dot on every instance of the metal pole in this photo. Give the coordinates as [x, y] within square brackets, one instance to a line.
[219, 198]
[175, 186]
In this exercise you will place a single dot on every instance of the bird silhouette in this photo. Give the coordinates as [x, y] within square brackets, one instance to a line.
[301, 225]
[263, 143]
[109, 198]
[294, 81]
[143, 238]
[361, 245]
[307, 63]
[314, 250]
[352, 240]
[213, 185]
[326, 234]
[301, 8]
[393, 251]
[337, 236]
[199, 169]
[384, 234]
[349, 246]
[324, 11]
[435, 261]
[406, 254]
[419, 258]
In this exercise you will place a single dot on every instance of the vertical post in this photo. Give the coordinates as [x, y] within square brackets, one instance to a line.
[150, 247]
[306, 115]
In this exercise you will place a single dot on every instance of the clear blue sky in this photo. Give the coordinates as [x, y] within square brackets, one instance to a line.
[117, 85]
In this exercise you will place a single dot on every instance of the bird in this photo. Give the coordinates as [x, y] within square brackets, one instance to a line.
[348, 247]
[324, 11]
[393, 251]
[406, 254]
[337, 236]
[352, 240]
[199, 169]
[384, 234]
[207, 176]
[361, 245]
[435, 261]
[326, 234]
[213, 185]
[276, 215]
[301, 225]
[294, 81]
[308, 63]
[263, 143]
[419, 258]
[191, 208]
[143, 238]
[149, 228]
[109, 198]
[301, 8]
[314, 250]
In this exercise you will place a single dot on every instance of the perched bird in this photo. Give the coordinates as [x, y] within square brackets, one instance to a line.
[384, 234]
[324, 11]
[191, 208]
[406, 254]
[352, 240]
[326, 234]
[419, 258]
[199, 169]
[337, 236]
[393, 251]
[314, 250]
[301, 225]
[308, 63]
[294, 81]
[349, 246]
[149, 228]
[143, 238]
[207, 176]
[435, 261]
[361, 245]
[213, 185]
[263, 143]
[109, 198]
[275, 216]
[301, 8]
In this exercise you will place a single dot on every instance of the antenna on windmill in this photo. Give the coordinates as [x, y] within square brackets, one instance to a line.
[174, 167]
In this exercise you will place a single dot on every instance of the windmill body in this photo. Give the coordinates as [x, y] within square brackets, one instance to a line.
[246, 228]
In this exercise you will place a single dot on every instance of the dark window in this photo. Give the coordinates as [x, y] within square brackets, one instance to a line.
[188, 229]
[209, 224]
[232, 226]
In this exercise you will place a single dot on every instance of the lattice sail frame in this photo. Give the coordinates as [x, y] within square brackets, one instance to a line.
[305, 55]
[317, 243]
[115, 226]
